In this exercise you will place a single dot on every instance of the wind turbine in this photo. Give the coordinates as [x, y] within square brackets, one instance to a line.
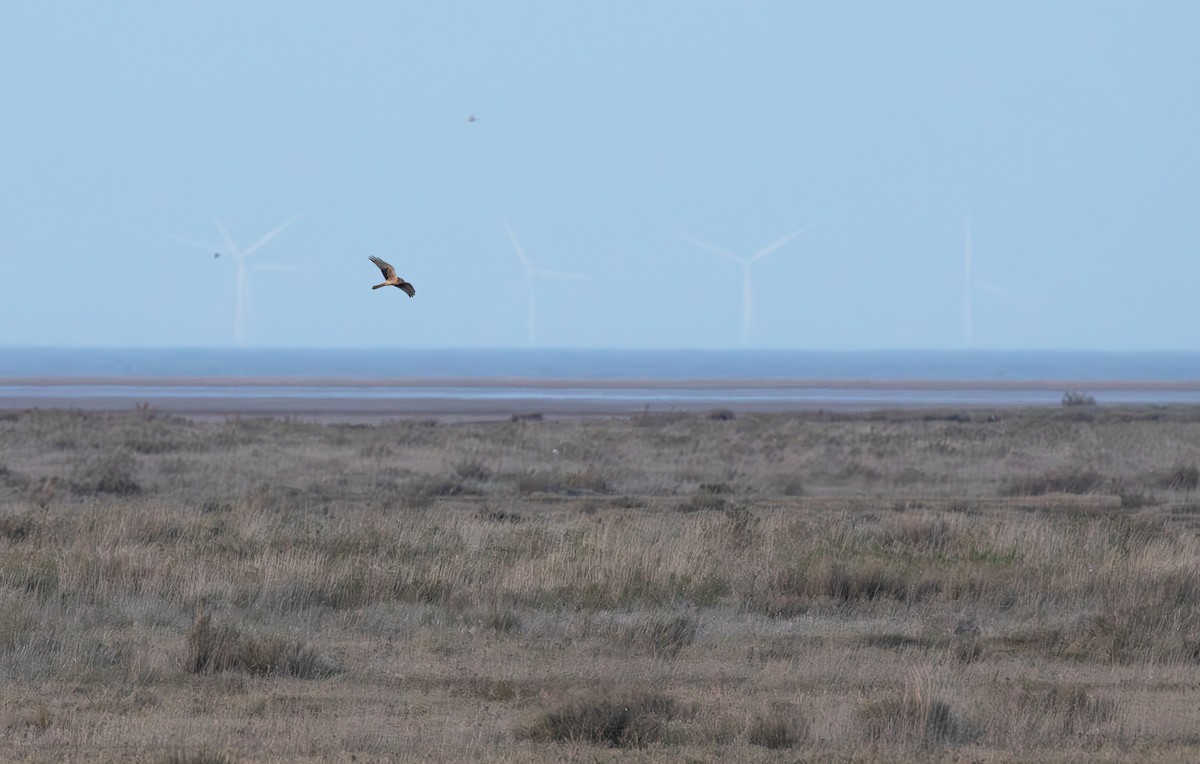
[242, 278]
[970, 283]
[747, 291]
[528, 282]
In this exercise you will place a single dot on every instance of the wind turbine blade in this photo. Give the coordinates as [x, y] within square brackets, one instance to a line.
[528, 266]
[705, 245]
[271, 234]
[231, 247]
[194, 243]
[760, 254]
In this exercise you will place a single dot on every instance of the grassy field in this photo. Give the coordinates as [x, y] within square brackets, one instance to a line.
[1006, 586]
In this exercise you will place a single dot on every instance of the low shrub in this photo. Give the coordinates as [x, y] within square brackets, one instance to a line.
[1077, 398]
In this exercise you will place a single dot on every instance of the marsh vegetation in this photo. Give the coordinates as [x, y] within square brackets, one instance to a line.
[1003, 586]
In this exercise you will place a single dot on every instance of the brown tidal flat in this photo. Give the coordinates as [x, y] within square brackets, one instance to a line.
[1009, 585]
[340, 399]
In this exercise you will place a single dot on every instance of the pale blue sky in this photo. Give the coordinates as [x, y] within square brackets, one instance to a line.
[1068, 132]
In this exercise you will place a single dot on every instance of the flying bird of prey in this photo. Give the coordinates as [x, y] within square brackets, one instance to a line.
[391, 279]
[472, 118]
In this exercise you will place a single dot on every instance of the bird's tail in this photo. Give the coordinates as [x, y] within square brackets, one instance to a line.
[378, 285]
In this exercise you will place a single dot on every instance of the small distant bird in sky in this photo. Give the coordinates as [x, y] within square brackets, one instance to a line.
[216, 255]
[391, 279]
[472, 118]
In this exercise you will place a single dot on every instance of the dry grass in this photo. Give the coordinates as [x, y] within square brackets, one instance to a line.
[633, 719]
[659, 587]
[210, 648]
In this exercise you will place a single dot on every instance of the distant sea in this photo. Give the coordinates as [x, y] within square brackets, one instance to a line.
[600, 380]
[889, 365]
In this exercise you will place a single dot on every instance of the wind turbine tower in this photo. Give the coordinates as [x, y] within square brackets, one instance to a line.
[746, 262]
[970, 283]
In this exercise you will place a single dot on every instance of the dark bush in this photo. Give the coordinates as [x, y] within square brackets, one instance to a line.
[1077, 398]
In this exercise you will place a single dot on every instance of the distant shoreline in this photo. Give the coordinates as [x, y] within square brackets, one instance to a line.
[351, 399]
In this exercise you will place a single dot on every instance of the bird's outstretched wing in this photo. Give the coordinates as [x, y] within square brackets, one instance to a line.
[407, 288]
[389, 272]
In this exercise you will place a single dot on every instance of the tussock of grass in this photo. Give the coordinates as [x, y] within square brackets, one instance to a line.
[472, 468]
[664, 637]
[113, 473]
[918, 718]
[629, 719]
[202, 755]
[16, 528]
[589, 479]
[703, 502]
[1184, 478]
[784, 726]
[211, 648]
[421, 492]
[10, 478]
[788, 484]
[891, 641]
[1068, 709]
[1038, 715]
[1068, 480]
[793, 591]
[33, 719]
[489, 514]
